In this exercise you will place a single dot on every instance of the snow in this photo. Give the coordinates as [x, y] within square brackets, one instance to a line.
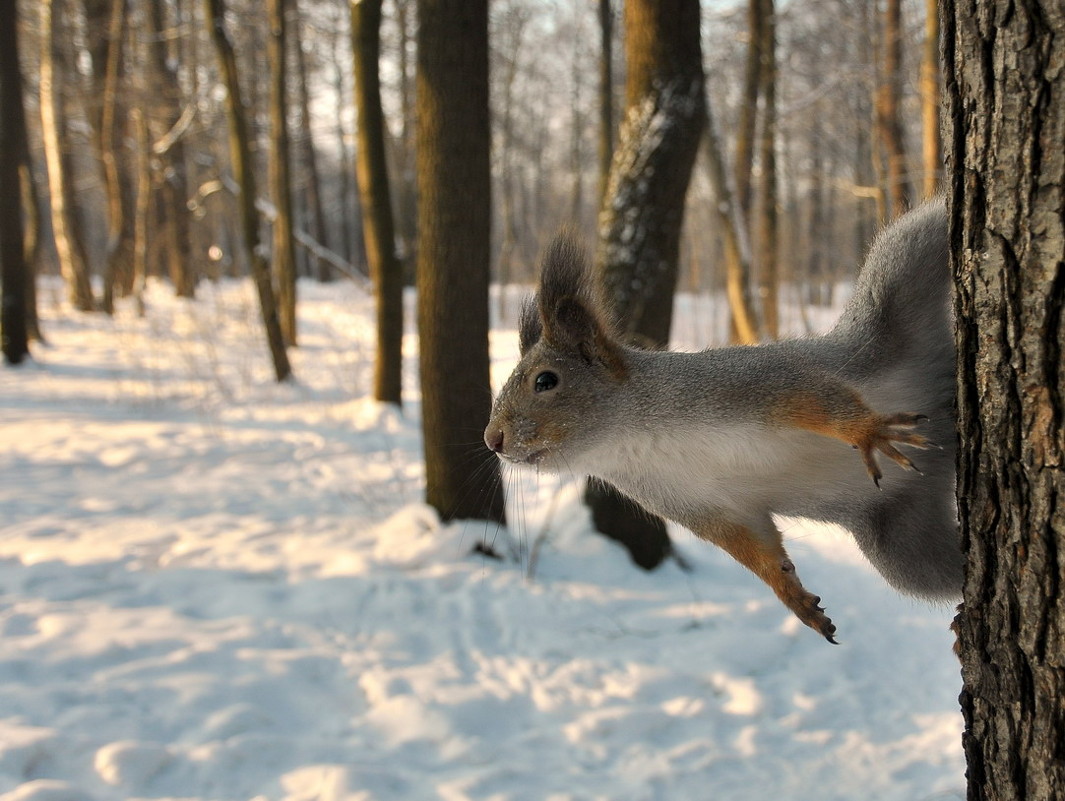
[216, 587]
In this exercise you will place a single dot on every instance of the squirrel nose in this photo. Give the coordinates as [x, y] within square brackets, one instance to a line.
[493, 438]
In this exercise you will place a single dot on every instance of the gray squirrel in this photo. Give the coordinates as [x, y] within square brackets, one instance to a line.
[720, 440]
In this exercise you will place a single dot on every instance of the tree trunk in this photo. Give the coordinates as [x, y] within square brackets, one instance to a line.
[768, 268]
[284, 250]
[454, 213]
[14, 270]
[239, 152]
[371, 168]
[606, 94]
[643, 210]
[309, 155]
[1005, 93]
[889, 123]
[169, 160]
[931, 141]
[60, 188]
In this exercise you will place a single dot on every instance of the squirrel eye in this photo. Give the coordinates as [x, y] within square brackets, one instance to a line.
[545, 381]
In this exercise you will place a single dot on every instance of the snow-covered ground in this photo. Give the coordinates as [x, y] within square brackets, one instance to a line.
[214, 587]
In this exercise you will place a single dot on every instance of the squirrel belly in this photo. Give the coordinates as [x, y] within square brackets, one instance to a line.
[855, 427]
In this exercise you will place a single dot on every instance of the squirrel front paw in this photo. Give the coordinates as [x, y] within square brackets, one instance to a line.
[879, 434]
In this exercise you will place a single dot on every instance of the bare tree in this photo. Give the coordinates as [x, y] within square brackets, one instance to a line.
[931, 140]
[606, 94]
[643, 209]
[1005, 93]
[371, 168]
[214, 11]
[454, 214]
[768, 267]
[68, 246]
[14, 269]
[284, 250]
[888, 121]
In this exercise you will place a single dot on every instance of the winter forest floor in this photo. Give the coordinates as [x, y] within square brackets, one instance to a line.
[215, 587]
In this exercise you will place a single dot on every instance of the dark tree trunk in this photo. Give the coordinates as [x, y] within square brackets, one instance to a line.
[14, 270]
[643, 209]
[1005, 91]
[768, 268]
[454, 214]
[240, 154]
[284, 249]
[889, 121]
[606, 94]
[371, 168]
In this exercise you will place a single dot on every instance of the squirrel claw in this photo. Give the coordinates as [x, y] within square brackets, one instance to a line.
[882, 432]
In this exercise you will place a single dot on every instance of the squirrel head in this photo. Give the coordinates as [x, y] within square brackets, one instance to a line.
[571, 361]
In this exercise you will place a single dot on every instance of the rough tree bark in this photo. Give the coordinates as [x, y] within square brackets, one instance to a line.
[243, 172]
[640, 221]
[371, 168]
[454, 214]
[14, 271]
[1005, 92]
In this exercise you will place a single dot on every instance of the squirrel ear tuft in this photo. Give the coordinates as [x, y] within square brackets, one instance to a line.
[571, 315]
[530, 329]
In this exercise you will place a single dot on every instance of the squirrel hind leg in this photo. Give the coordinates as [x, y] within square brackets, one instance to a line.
[766, 558]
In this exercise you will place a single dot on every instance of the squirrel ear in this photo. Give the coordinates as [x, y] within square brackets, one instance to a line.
[530, 329]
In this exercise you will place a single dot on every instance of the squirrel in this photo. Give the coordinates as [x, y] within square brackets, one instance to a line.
[721, 440]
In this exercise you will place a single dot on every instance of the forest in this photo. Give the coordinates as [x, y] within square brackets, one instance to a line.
[262, 267]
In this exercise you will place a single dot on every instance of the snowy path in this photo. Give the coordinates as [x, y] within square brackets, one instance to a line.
[215, 588]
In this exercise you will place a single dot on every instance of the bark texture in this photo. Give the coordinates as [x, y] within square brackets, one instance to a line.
[454, 213]
[1005, 87]
[378, 226]
[643, 209]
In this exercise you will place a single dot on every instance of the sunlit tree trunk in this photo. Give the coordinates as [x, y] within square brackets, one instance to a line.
[889, 121]
[378, 226]
[454, 219]
[60, 188]
[1005, 92]
[240, 155]
[643, 209]
[931, 141]
[284, 249]
[14, 270]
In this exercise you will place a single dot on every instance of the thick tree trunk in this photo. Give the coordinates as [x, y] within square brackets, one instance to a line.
[371, 168]
[14, 270]
[1005, 91]
[284, 249]
[60, 188]
[454, 214]
[640, 222]
[239, 152]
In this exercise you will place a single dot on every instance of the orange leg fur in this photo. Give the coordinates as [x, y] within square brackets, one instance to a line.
[846, 417]
[770, 562]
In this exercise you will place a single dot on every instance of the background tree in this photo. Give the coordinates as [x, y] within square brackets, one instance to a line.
[14, 270]
[888, 121]
[454, 225]
[371, 168]
[214, 12]
[1005, 93]
[284, 250]
[640, 222]
[931, 101]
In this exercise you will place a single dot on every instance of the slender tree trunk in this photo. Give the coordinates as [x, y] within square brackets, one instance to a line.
[931, 141]
[1005, 91]
[60, 189]
[371, 168]
[768, 234]
[889, 122]
[14, 270]
[284, 250]
[310, 156]
[606, 94]
[643, 210]
[239, 151]
[172, 192]
[745, 128]
[454, 214]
